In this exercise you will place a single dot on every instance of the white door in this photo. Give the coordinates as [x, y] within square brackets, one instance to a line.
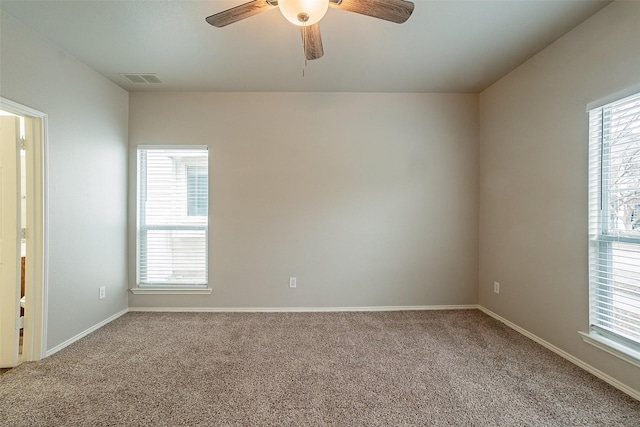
[9, 242]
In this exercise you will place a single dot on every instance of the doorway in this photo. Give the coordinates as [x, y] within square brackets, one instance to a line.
[22, 234]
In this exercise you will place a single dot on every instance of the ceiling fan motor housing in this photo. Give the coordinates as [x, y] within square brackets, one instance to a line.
[303, 12]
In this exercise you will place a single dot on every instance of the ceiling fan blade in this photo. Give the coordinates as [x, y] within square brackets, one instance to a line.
[390, 10]
[312, 42]
[241, 12]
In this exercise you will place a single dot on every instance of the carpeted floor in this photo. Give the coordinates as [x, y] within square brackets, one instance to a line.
[428, 368]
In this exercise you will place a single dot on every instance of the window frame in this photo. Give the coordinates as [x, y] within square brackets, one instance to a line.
[601, 237]
[141, 227]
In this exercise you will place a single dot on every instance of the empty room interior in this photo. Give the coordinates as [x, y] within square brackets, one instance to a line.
[327, 205]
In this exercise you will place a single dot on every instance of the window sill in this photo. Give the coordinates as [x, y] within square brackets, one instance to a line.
[612, 347]
[171, 291]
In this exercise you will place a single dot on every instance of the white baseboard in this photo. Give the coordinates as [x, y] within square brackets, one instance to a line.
[84, 333]
[598, 373]
[302, 309]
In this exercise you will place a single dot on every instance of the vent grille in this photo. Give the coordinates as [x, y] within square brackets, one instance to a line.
[141, 78]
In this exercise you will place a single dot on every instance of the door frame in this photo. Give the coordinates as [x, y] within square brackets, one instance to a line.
[35, 321]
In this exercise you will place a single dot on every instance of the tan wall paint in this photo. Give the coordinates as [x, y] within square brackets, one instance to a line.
[87, 174]
[368, 199]
[533, 181]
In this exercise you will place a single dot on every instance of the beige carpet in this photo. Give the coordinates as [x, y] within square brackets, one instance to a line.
[444, 368]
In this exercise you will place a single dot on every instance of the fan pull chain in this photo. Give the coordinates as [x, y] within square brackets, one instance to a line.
[304, 46]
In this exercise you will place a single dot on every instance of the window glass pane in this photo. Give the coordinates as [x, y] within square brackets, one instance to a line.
[621, 174]
[168, 190]
[174, 257]
[617, 294]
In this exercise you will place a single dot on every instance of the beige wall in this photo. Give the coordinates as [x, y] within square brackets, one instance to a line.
[87, 177]
[368, 199]
[533, 181]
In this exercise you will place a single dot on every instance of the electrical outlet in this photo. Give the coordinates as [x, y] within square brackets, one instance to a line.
[103, 292]
[496, 287]
[292, 282]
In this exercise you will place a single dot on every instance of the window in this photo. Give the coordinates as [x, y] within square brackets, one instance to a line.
[173, 201]
[614, 225]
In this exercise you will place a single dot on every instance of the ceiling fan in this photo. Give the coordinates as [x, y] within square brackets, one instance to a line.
[307, 14]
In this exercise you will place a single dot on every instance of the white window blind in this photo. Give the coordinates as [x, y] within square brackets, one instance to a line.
[172, 216]
[614, 221]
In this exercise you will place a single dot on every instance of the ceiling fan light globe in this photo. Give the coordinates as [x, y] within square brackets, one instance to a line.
[312, 10]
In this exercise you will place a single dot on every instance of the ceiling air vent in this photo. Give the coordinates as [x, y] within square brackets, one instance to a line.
[142, 78]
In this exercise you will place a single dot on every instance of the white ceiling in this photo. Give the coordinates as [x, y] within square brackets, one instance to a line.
[445, 46]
